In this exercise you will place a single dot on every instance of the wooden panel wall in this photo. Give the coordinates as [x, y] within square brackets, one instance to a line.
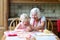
[3, 16]
[1, 13]
[6, 14]
[35, 1]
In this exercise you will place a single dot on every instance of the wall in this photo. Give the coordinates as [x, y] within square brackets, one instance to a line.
[48, 10]
[3, 16]
[1, 13]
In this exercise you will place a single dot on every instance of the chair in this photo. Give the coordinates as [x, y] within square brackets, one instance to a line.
[58, 25]
[49, 24]
[14, 23]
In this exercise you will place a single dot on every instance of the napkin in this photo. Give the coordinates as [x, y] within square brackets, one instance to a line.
[12, 34]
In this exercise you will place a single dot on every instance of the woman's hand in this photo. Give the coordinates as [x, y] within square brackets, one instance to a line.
[28, 29]
[36, 28]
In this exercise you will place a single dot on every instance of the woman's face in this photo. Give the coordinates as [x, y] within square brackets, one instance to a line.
[35, 16]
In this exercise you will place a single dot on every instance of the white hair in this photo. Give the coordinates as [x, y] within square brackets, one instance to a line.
[24, 17]
[35, 10]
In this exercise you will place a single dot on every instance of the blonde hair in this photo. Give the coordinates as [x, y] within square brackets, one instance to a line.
[35, 10]
[24, 17]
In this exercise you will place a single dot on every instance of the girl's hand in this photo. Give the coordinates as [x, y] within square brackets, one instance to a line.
[28, 29]
[36, 28]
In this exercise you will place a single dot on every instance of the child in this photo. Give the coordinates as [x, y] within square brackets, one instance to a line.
[24, 25]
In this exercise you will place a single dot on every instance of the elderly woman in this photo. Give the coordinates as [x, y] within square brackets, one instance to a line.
[24, 25]
[37, 21]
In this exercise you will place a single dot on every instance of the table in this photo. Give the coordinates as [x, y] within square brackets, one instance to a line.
[30, 36]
